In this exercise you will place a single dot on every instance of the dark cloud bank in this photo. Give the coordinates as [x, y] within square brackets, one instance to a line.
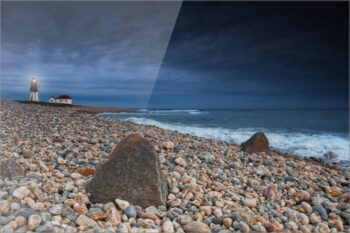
[217, 55]
[104, 53]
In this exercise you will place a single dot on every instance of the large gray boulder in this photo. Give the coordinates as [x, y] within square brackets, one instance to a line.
[256, 144]
[11, 169]
[132, 173]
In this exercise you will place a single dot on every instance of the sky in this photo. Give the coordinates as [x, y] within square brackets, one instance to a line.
[178, 54]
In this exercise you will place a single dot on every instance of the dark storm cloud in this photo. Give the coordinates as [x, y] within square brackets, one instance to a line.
[98, 49]
[257, 54]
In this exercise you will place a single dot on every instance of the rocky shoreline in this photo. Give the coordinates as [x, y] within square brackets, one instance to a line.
[212, 186]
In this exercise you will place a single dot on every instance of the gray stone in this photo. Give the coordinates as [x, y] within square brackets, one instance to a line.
[224, 231]
[321, 211]
[122, 228]
[45, 216]
[85, 222]
[330, 155]
[5, 220]
[57, 229]
[11, 169]
[15, 206]
[6, 229]
[47, 227]
[152, 209]
[27, 153]
[22, 230]
[207, 157]
[68, 213]
[132, 173]
[56, 210]
[130, 211]
[26, 212]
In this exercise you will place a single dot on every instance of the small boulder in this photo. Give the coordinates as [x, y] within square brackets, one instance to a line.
[11, 169]
[256, 144]
[330, 157]
[131, 173]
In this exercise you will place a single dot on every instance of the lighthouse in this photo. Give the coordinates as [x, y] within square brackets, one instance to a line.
[34, 94]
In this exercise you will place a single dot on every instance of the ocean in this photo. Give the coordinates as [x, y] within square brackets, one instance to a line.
[303, 132]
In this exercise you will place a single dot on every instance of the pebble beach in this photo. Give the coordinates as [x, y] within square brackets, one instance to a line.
[212, 185]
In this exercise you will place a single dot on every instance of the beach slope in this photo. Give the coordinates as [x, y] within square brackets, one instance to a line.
[213, 187]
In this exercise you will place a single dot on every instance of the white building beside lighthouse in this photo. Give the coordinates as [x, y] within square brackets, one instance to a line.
[62, 99]
[34, 91]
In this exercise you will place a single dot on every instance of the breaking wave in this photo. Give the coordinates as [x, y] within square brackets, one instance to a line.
[160, 112]
[304, 144]
[171, 111]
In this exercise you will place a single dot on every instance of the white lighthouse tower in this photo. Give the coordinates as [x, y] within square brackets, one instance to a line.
[34, 92]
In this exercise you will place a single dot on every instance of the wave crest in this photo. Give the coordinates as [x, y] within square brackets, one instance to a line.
[171, 111]
[293, 142]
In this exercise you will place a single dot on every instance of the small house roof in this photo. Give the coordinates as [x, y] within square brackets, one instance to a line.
[64, 97]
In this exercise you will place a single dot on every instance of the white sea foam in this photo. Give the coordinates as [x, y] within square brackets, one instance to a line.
[171, 111]
[160, 112]
[293, 142]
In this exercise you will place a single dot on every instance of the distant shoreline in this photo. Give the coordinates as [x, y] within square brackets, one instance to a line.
[81, 108]
[98, 110]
